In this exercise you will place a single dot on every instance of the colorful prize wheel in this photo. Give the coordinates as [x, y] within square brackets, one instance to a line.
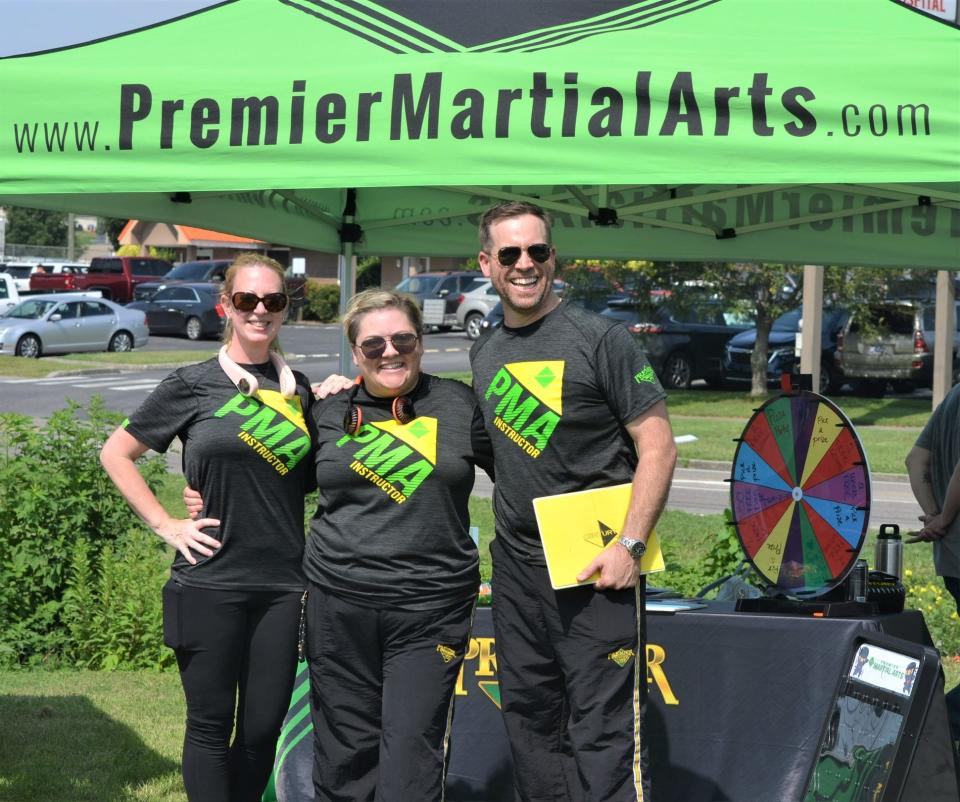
[801, 494]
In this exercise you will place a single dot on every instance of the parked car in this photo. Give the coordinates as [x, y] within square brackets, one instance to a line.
[683, 342]
[56, 324]
[478, 302]
[10, 295]
[21, 274]
[447, 287]
[189, 309]
[474, 307]
[494, 317]
[202, 270]
[782, 354]
[896, 347]
[116, 277]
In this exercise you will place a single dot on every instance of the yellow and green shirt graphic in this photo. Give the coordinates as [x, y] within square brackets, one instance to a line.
[529, 402]
[396, 458]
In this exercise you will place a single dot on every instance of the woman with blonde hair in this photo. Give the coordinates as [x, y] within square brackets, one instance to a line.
[232, 604]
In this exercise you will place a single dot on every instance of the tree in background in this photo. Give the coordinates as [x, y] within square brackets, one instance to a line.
[36, 227]
[761, 291]
[368, 273]
[112, 226]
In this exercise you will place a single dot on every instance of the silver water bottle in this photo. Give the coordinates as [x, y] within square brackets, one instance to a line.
[888, 553]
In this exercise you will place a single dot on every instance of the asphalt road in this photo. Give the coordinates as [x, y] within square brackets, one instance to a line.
[314, 350]
[704, 491]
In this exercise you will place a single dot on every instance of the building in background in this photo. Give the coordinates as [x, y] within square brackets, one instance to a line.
[191, 244]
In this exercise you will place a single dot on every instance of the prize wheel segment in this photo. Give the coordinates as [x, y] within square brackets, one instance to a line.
[800, 492]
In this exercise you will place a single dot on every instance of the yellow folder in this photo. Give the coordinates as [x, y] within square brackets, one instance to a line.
[576, 527]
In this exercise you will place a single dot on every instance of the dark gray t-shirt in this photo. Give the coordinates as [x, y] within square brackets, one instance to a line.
[392, 525]
[250, 459]
[941, 437]
[555, 397]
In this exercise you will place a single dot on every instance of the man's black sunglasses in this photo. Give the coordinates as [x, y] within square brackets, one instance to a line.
[247, 301]
[509, 255]
[403, 342]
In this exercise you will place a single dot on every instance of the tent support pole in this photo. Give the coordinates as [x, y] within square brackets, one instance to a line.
[812, 324]
[944, 327]
[345, 273]
[349, 234]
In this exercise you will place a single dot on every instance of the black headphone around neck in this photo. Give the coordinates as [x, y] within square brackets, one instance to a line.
[401, 408]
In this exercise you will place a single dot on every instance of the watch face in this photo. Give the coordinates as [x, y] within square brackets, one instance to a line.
[637, 548]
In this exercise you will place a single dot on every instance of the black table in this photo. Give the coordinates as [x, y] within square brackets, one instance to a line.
[737, 703]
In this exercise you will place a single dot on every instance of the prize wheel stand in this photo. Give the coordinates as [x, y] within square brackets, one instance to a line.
[800, 494]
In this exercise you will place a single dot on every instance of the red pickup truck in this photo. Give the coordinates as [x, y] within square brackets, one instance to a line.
[115, 276]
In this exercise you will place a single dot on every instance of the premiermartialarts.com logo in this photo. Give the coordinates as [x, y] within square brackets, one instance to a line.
[429, 107]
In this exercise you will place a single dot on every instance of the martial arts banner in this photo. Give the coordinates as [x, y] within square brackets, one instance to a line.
[820, 131]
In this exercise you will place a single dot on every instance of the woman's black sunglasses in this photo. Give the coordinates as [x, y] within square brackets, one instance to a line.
[247, 301]
[509, 255]
[403, 342]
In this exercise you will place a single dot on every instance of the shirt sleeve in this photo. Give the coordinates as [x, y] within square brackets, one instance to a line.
[165, 414]
[480, 443]
[308, 402]
[625, 376]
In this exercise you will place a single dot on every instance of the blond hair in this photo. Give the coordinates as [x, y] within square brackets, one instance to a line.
[374, 299]
[241, 263]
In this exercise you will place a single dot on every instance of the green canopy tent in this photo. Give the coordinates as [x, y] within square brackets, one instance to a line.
[734, 130]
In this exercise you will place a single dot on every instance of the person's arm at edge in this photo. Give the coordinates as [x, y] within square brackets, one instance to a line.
[118, 457]
[921, 482]
[653, 437]
[936, 520]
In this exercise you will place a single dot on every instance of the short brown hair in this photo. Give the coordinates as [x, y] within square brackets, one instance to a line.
[506, 209]
[238, 264]
[374, 299]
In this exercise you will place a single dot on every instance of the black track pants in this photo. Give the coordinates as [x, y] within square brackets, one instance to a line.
[237, 651]
[381, 691]
[572, 690]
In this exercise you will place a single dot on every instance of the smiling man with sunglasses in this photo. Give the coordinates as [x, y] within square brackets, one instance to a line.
[570, 403]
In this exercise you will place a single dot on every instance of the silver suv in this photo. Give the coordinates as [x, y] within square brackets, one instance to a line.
[475, 306]
[896, 347]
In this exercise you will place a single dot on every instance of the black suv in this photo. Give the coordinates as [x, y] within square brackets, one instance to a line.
[203, 270]
[439, 295]
[781, 350]
[683, 341]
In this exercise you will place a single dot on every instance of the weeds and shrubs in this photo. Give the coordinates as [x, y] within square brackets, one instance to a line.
[938, 608]
[80, 577]
[321, 301]
[73, 559]
[688, 575]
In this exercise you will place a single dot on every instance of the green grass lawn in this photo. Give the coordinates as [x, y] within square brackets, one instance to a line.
[41, 368]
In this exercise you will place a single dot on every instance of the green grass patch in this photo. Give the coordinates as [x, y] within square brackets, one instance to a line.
[33, 368]
[144, 357]
[860, 411]
[41, 368]
[91, 736]
[886, 447]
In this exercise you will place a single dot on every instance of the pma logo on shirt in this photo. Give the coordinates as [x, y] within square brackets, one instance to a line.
[396, 458]
[530, 403]
[273, 427]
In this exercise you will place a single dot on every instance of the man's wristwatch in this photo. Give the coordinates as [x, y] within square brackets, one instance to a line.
[636, 548]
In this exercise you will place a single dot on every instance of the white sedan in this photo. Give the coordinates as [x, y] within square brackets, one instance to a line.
[57, 324]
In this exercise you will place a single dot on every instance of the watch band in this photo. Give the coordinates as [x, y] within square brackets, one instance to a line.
[636, 548]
